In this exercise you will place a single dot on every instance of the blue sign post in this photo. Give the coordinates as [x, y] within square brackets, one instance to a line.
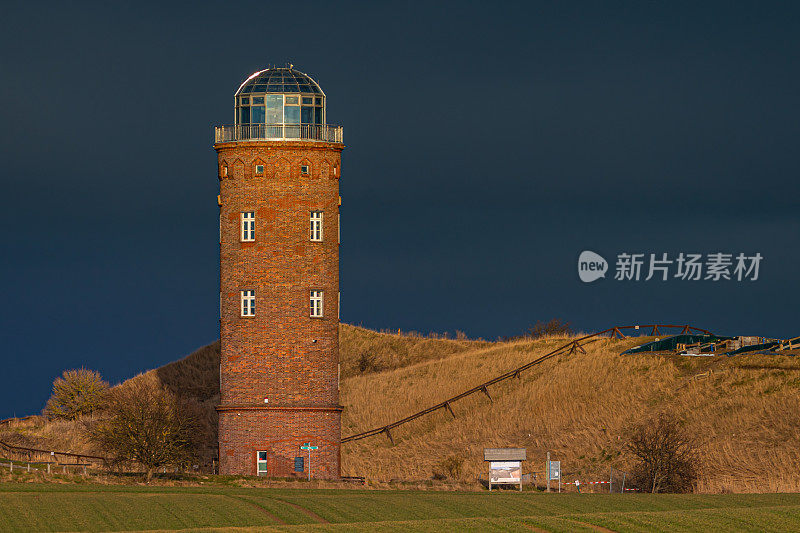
[309, 447]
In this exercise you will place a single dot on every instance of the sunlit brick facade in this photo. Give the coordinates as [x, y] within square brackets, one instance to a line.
[279, 284]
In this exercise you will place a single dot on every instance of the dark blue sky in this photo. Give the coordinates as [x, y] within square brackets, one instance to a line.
[487, 146]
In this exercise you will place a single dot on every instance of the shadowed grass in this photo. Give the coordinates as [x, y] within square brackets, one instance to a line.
[48, 507]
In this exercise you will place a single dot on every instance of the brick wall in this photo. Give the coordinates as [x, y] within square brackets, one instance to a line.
[281, 355]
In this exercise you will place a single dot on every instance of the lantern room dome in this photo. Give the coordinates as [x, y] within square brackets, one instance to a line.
[279, 80]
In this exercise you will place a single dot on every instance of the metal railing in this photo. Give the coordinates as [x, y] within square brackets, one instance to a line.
[279, 132]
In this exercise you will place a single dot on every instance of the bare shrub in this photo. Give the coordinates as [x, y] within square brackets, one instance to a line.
[451, 467]
[76, 393]
[554, 327]
[149, 425]
[665, 453]
[368, 363]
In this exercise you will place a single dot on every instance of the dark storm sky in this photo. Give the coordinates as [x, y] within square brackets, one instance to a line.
[487, 146]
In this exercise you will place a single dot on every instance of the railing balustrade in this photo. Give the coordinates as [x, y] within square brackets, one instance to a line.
[279, 132]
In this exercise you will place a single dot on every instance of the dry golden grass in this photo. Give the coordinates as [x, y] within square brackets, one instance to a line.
[745, 410]
[364, 350]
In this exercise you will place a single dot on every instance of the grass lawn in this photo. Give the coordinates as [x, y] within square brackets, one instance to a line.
[88, 507]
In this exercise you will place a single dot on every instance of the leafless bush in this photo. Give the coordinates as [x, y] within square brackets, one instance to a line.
[149, 425]
[555, 327]
[450, 467]
[367, 362]
[76, 393]
[665, 453]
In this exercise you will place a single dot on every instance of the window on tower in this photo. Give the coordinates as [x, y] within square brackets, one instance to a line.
[248, 226]
[305, 170]
[291, 110]
[316, 304]
[274, 109]
[257, 113]
[261, 463]
[248, 303]
[316, 226]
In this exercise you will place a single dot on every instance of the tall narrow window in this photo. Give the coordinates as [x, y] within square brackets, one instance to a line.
[316, 226]
[248, 226]
[248, 303]
[261, 463]
[316, 304]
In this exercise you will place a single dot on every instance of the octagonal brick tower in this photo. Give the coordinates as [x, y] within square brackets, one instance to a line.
[279, 167]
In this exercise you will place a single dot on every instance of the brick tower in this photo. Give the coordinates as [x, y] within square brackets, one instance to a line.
[279, 168]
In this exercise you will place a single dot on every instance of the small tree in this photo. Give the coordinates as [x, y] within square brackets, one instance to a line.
[75, 393]
[665, 453]
[147, 424]
[554, 327]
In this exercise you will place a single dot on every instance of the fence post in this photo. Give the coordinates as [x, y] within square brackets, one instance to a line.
[48, 468]
[547, 472]
[29, 467]
[624, 475]
[10, 465]
[611, 481]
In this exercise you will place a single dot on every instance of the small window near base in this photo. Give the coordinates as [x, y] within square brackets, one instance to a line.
[261, 463]
[299, 464]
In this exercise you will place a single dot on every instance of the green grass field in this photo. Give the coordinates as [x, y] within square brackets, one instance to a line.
[88, 507]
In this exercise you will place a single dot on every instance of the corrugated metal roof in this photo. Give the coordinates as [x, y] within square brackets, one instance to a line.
[505, 454]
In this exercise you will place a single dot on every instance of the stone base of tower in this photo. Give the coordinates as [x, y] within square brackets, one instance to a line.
[279, 432]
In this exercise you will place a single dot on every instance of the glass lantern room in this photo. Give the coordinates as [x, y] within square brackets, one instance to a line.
[280, 101]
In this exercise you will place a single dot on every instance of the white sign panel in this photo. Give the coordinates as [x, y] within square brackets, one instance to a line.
[505, 471]
[555, 469]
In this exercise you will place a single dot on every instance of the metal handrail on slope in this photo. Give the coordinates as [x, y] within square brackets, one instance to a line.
[572, 346]
[23, 449]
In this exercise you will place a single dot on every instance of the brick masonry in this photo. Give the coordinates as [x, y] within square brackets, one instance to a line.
[281, 355]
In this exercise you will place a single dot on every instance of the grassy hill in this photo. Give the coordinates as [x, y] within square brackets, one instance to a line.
[745, 410]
